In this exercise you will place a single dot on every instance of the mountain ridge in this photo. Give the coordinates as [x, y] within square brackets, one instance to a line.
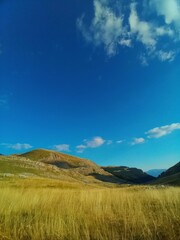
[49, 163]
[133, 175]
[155, 172]
[170, 177]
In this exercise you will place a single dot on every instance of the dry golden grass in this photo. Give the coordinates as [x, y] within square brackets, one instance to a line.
[89, 214]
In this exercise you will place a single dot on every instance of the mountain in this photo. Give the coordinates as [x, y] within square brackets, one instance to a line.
[155, 172]
[132, 175]
[46, 164]
[71, 164]
[170, 176]
[171, 171]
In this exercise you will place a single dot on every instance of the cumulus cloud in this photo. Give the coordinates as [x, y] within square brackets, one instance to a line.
[138, 141]
[62, 148]
[93, 143]
[162, 131]
[169, 9]
[120, 24]
[17, 146]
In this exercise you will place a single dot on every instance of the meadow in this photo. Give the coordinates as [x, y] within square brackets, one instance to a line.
[54, 213]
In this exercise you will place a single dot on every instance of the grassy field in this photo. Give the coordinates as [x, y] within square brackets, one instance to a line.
[98, 214]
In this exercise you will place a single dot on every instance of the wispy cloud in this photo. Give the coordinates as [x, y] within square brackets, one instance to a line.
[119, 24]
[143, 30]
[17, 146]
[109, 142]
[162, 131]
[3, 101]
[106, 27]
[92, 143]
[137, 141]
[80, 148]
[120, 141]
[62, 147]
[166, 56]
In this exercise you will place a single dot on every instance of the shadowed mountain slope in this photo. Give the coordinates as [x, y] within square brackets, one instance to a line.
[170, 176]
[132, 175]
[172, 170]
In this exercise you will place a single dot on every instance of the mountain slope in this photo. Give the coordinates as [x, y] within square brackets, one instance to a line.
[170, 176]
[172, 170]
[155, 172]
[73, 165]
[132, 175]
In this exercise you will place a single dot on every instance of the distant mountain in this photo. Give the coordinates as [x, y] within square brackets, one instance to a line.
[155, 172]
[170, 176]
[132, 175]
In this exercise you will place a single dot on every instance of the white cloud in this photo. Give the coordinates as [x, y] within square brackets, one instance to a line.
[17, 146]
[166, 56]
[62, 147]
[143, 29]
[164, 30]
[81, 148]
[93, 143]
[106, 27]
[118, 24]
[138, 141]
[125, 42]
[169, 9]
[162, 131]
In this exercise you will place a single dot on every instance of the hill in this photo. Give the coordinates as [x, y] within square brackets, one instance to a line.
[55, 165]
[63, 164]
[132, 175]
[155, 172]
[170, 176]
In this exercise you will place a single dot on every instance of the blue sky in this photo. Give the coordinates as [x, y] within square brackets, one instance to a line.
[96, 79]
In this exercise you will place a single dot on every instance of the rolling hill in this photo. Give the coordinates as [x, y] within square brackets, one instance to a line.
[72, 164]
[55, 165]
[132, 175]
[52, 164]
